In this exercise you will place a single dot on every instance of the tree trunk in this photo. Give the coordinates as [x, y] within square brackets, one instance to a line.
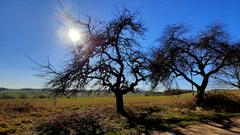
[201, 89]
[119, 102]
[200, 97]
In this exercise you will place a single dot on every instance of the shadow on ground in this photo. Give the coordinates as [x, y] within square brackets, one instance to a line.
[218, 124]
[226, 126]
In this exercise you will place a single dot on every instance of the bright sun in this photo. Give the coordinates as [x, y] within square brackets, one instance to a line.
[74, 35]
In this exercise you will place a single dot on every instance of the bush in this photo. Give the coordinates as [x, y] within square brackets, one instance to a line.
[41, 96]
[222, 102]
[17, 108]
[175, 92]
[74, 124]
[23, 96]
[22, 108]
[6, 96]
[151, 93]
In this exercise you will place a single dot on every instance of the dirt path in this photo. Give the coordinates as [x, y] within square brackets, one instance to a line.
[226, 127]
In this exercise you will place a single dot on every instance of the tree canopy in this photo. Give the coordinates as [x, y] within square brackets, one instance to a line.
[181, 54]
[109, 58]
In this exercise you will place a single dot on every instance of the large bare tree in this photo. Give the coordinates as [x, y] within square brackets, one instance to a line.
[110, 58]
[181, 54]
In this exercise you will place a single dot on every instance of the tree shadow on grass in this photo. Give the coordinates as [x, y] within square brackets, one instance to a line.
[151, 124]
[217, 125]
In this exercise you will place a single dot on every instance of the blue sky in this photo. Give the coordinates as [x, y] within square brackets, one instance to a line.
[31, 27]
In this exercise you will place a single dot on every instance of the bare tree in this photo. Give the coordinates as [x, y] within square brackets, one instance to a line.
[181, 55]
[110, 58]
[229, 76]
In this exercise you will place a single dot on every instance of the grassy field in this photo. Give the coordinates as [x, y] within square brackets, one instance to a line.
[85, 115]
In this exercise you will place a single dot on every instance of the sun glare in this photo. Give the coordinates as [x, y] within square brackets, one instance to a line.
[74, 35]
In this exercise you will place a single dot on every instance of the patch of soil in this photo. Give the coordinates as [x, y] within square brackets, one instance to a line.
[226, 127]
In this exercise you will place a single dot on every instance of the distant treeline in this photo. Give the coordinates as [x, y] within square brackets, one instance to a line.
[25, 89]
[168, 92]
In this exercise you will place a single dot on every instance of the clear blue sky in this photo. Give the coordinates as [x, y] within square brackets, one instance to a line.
[31, 27]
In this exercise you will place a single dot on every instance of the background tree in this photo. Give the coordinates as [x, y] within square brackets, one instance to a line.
[229, 76]
[183, 55]
[108, 59]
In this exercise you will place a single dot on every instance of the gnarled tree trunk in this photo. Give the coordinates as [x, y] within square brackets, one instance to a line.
[201, 91]
[200, 97]
[119, 102]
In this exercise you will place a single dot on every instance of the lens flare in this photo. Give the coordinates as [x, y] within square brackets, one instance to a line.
[74, 35]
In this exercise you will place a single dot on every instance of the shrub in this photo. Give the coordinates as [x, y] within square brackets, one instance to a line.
[74, 124]
[23, 96]
[6, 96]
[17, 108]
[151, 93]
[41, 96]
[222, 102]
[22, 108]
[175, 92]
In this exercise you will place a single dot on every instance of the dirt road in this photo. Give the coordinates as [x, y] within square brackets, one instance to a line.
[226, 127]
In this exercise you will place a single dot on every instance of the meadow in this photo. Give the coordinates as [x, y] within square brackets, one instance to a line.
[34, 114]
